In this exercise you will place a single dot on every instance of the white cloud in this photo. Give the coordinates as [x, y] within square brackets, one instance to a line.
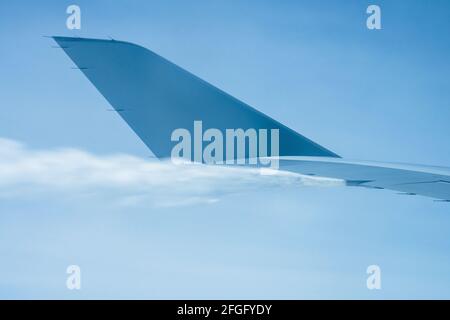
[128, 180]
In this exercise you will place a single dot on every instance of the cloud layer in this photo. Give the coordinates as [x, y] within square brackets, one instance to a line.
[129, 180]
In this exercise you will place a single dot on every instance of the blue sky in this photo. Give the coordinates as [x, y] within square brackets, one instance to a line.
[314, 66]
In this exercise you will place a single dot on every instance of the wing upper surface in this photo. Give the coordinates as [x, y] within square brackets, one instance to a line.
[432, 182]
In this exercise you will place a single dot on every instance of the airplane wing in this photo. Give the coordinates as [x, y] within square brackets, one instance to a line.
[155, 96]
[407, 179]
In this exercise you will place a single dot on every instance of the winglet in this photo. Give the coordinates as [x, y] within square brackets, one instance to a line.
[164, 97]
